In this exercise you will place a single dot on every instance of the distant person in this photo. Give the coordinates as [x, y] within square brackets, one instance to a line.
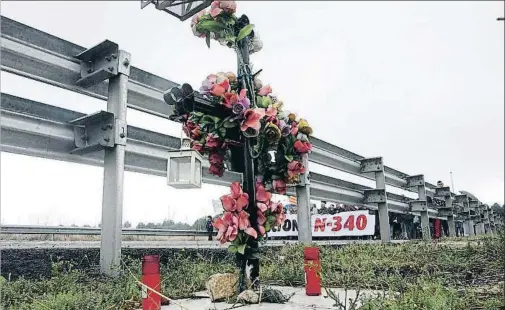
[440, 184]
[210, 227]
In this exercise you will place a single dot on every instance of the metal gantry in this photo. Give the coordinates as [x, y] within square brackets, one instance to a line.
[104, 139]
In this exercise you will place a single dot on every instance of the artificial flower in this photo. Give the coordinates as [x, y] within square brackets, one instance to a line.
[231, 77]
[251, 124]
[294, 128]
[295, 168]
[272, 133]
[265, 90]
[212, 141]
[216, 158]
[279, 186]
[243, 220]
[271, 111]
[197, 146]
[261, 194]
[261, 218]
[217, 170]
[303, 127]
[227, 227]
[257, 84]
[229, 204]
[302, 147]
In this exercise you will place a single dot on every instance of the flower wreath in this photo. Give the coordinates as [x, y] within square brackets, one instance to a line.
[273, 130]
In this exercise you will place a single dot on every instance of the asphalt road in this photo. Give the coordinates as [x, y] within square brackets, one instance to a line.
[157, 244]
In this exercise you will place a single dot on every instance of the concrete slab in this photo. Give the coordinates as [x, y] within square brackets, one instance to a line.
[299, 301]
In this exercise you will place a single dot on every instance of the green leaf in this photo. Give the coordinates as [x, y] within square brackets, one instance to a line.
[232, 248]
[207, 39]
[222, 132]
[267, 227]
[244, 32]
[228, 124]
[289, 158]
[210, 25]
[241, 248]
[271, 219]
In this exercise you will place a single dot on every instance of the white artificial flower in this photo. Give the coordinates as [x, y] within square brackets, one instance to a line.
[255, 45]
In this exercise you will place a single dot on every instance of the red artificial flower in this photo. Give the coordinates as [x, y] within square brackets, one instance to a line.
[302, 147]
[216, 159]
[213, 141]
[197, 146]
[217, 170]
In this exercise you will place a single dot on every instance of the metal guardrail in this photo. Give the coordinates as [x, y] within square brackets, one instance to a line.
[37, 129]
[57, 230]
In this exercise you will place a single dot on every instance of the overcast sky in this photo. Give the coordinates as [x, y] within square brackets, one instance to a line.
[419, 83]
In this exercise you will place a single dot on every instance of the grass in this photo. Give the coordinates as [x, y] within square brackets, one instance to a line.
[409, 276]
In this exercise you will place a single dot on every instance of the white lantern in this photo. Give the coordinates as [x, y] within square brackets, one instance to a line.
[184, 167]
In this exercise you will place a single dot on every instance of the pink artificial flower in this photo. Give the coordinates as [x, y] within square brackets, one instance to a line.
[243, 220]
[219, 89]
[294, 128]
[229, 99]
[251, 121]
[251, 232]
[262, 206]
[279, 186]
[271, 111]
[242, 202]
[227, 227]
[281, 217]
[228, 203]
[295, 167]
[236, 190]
[196, 18]
[215, 12]
[261, 229]
[228, 6]
[276, 207]
[261, 194]
[242, 98]
[302, 147]
[261, 217]
[265, 90]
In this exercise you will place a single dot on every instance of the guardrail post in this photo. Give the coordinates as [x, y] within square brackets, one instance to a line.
[485, 219]
[113, 179]
[450, 217]
[421, 204]
[107, 130]
[376, 165]
[303, 216]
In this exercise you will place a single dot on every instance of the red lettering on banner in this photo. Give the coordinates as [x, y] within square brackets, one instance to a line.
[361, 222]
[319, 224]
[349, 224]
[337, 224]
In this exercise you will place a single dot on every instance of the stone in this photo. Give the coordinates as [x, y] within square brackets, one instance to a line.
[249, 296]
[221, 286]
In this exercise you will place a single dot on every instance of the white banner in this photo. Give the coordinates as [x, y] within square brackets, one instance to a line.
[354, 223]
